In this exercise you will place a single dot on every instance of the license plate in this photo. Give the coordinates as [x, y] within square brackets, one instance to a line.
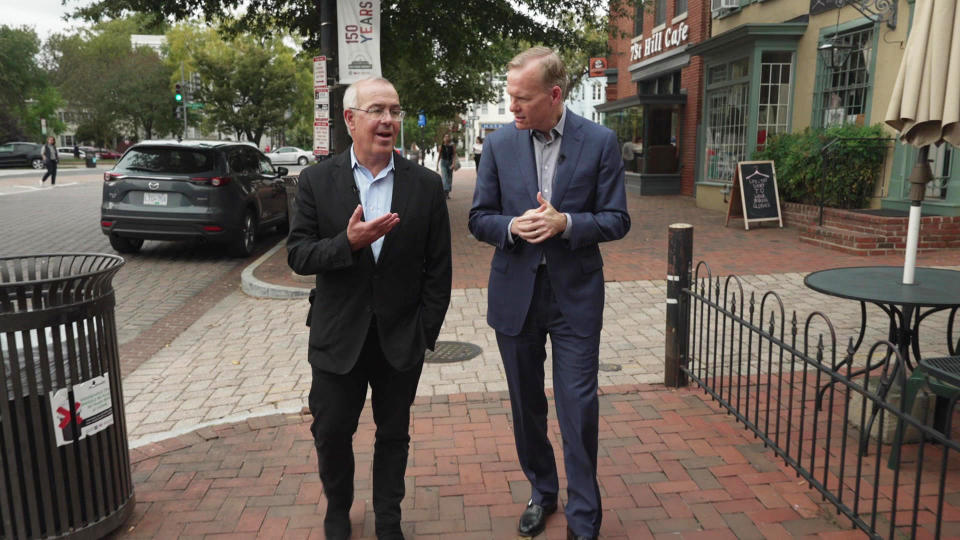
[155, 199]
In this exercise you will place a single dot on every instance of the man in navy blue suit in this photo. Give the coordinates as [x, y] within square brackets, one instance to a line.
[549, 190]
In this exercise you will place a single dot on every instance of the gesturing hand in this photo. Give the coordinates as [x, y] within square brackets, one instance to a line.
[361, 233]
[539, 224]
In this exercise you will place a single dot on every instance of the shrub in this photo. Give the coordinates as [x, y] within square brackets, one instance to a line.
[848, 169]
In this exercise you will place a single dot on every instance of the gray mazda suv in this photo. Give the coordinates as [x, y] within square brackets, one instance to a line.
[216, 191]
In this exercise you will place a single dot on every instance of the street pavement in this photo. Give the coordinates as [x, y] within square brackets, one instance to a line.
[221, 444]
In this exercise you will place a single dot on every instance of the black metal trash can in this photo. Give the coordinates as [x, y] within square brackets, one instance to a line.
[64, 461]
[91, 160]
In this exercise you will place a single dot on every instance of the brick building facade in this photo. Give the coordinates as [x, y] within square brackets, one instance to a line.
[654, 97]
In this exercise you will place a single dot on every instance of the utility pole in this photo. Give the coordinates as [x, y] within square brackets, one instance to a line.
[184, 102]
[339, 138]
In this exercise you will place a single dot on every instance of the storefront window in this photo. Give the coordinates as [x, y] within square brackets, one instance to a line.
[842, 92]
[774, 106]
[628, 125]
[727, 101]
[680, 7]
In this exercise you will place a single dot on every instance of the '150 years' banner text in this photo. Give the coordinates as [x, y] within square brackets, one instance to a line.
[359, 35]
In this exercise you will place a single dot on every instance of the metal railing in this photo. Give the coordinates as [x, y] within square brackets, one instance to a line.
[767, 371]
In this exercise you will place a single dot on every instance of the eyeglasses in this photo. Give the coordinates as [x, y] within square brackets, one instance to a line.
[395, 114]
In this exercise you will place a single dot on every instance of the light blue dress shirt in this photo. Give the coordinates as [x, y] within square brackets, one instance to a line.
[376, 194]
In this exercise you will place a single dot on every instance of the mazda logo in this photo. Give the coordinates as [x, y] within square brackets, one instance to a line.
[154, 185]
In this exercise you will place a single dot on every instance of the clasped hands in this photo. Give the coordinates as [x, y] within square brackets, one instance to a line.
[540, 223]
[361, 234]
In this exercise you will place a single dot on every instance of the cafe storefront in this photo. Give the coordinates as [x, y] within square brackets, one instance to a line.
[656, 118]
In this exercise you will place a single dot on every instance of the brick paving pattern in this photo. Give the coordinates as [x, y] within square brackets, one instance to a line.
[221, 449]
[669, 465]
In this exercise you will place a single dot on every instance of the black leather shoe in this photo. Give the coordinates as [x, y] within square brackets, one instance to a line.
[534, 518]
[571, 536]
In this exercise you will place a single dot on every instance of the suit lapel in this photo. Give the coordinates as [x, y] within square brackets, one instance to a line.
[527, 161]
[400, 198]
[348, 196]
[570, 146]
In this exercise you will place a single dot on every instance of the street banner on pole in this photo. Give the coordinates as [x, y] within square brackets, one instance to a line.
[359, 39]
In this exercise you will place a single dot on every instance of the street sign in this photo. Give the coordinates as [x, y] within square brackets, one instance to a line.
[320, 71]
[422, 120]
[195, 105]
[321, 137]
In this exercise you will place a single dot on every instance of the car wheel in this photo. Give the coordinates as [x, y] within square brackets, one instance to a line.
[242, 244]
[303, 160]
[125, 245]
[36, 163]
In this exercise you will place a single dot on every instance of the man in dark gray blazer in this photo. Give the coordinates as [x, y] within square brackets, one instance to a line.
[549, 190]
[374, 229]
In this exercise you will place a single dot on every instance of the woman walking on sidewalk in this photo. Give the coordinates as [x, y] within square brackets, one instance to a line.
[446, 153]
[477, 150]
[50, 159]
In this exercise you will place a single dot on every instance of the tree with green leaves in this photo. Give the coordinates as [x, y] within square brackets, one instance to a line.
[118, 89]
[25, 92]
[438, 53]
[248, 83]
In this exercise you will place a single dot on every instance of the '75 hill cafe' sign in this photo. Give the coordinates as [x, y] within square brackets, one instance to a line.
[660, 41]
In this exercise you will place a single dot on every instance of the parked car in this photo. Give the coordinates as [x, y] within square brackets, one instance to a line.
[106, 153]
[101, 153]
[218, 191]
[66, 152]
[290, 155]
[21, 154]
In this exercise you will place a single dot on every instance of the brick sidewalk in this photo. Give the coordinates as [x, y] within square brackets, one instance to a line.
[642, 254]
[669, 465]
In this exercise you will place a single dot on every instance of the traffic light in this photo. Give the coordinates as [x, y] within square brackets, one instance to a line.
[178, 94]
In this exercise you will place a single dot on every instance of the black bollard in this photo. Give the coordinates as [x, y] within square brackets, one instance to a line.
[679, 257]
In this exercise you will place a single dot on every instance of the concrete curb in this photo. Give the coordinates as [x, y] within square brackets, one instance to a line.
[261, 289]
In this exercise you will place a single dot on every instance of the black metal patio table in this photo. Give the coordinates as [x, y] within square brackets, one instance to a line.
[906, 306]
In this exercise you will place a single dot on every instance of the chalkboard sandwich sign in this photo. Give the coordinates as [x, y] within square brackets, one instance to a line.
[754, 195]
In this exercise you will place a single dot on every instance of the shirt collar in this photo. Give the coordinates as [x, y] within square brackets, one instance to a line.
[555, 131]
[354, 164]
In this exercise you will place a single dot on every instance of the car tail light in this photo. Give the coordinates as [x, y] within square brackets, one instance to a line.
[108, 176]
[212, 228]
[215, 181]
[106, 224]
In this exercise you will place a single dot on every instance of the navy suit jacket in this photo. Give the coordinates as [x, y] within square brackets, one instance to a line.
[407, 288]
[588, 186]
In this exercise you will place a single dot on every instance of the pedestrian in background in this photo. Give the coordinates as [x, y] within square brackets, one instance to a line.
[50, 159]
[381, 294]
[76, 151]
[477, 151]
[546, 277]
[446, 152]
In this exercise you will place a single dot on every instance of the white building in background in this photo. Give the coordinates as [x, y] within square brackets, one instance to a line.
[488, 117]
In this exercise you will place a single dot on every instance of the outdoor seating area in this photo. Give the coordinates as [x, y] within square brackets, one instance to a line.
[844, 412]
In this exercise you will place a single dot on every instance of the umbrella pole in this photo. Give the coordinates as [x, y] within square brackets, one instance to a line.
[918, 185]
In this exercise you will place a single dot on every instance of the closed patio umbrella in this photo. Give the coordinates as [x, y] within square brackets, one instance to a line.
[925, 104]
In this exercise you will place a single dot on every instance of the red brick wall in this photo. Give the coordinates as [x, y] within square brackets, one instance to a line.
[691, 79]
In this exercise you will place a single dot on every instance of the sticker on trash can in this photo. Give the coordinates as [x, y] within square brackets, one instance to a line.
[63, 416]
[94, 405]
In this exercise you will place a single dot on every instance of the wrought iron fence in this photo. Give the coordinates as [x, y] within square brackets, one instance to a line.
[790, 382]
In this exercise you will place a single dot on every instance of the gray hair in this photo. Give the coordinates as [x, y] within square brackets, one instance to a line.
[552, 70]
[350, 96]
